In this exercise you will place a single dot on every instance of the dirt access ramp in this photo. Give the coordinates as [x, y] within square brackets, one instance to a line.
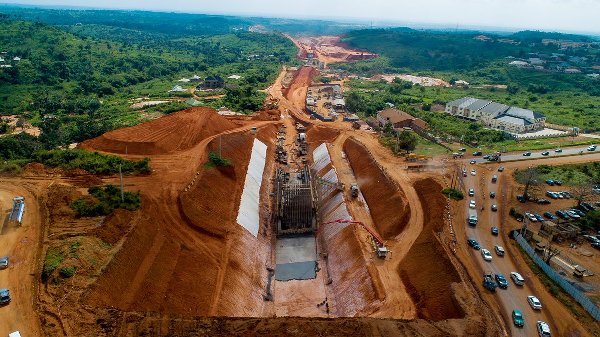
[387, 202]
[175, 132]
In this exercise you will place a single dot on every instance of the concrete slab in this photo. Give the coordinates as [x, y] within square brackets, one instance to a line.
[295, 249]
[296, 271]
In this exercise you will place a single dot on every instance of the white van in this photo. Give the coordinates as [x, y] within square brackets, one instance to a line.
[14, 334]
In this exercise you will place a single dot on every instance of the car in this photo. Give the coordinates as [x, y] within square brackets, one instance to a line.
[464, 173]
[487, 156]
[499, 250]
[545, 153]
[591, 148]
[486, 254]
[559, 150]
[501, 280]
[494, 207]
[492, 195]
[531, 217]
[517, 318]
[572, 214]
[495, 230]
[534, 302]
[494, 178]
[477, 153]
[578, 212]
[538, 217]
[551, 194]
[559, 195]
[473, 243]
[517, 278]
[557, 182]
[501, 169]
[543, 329]
[595, 245]
[563, 215]
[521, 198]
[588, 206]
[543, 201]
[566, 194]
[4, 296]
[591, 238]
[550, 182]
[4, 262]
[471, 192]
[473, 161]
[472, 204]
[473, 172]
[527, 154]
[472, 221]
[462, 149]
[550, 216]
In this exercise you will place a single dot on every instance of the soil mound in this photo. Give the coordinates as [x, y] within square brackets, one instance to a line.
[175, 132]
[213, 201]
[387, 202]
[316, 135]
[114, 226]
[302, 79]
[426, 270]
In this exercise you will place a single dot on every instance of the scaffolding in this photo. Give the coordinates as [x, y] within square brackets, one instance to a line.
[296, 213]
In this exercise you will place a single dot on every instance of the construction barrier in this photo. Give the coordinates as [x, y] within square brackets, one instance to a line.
[585, 301]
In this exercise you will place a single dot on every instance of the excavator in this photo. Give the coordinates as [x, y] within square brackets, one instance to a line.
[378, 245]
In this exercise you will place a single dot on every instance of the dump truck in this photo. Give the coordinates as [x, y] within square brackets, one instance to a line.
[488, 282]
[354, 190]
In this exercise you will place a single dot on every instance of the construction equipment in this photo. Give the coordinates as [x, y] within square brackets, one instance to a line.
[321, 181]
[378, 244]
[354, 190]
[415, 157]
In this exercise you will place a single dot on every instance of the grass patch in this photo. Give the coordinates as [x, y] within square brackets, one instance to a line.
[67, 272]
[571, 174]
[215, 160]
[429, 148]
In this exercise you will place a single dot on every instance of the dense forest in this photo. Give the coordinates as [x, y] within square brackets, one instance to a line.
[76, 80]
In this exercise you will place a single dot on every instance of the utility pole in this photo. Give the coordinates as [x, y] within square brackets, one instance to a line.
[121, 179]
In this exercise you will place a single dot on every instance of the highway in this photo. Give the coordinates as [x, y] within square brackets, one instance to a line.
[515, 297]
[537, 154]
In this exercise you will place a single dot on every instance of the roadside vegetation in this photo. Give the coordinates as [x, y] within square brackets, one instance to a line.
[453, 194]
[104, 200]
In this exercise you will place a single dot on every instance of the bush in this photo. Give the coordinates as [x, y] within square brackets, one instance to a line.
[453, 194]
[53, 259]
[214, 159]
[107, 199]
[67, 272]
[92, 162]
[9, 168]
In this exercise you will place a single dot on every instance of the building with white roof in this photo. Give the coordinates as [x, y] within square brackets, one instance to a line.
[496, 115]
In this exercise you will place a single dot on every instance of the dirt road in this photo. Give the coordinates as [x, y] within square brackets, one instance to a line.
[20, 243]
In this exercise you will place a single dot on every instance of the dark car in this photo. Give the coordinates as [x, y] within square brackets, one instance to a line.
[557, 182]
[595, 245]
[580, 213]
[550, 182]
[473, 244]
[518, 319]
[501, 280]
[477, 153]
[494, 207]
[501, 169]
[4, 262]
[487, 156]
[545, 153]
[492, 195]
[4, 296]
[538, 217]
[462, 149]
[562, 215]
[494, 230]
[521, 198]
[543, 201]
[527, 154]
[550, 216]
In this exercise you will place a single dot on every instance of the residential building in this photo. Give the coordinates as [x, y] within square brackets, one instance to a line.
[214, 82]
[399, 120]
[496, 115]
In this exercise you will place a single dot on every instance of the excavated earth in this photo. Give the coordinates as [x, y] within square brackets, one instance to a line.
[388, 204]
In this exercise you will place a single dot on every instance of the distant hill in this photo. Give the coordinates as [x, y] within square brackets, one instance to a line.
[538, 36]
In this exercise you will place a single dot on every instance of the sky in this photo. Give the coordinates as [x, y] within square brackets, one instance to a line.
[549, 15]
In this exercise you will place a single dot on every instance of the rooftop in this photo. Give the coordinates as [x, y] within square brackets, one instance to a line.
[523, 113]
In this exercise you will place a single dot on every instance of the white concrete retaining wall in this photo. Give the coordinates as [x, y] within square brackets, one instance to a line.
[248, 214]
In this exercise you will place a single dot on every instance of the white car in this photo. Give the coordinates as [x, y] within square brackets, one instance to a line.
[543, 329]
[473, 172]
[531, 217]
[471, 192]
[486, 254]
[534, 302]
[472, 204]
[573, 215]
[499, 250]
[517, 278]
[591, 148]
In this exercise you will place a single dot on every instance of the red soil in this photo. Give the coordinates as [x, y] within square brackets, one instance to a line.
[302, 80]
[115, 226]
[387, 202]
[316, 135]
[175, 132]
[426, 270]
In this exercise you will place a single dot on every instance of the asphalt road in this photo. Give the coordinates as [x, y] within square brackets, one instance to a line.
[537, 154]
[515, 297]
